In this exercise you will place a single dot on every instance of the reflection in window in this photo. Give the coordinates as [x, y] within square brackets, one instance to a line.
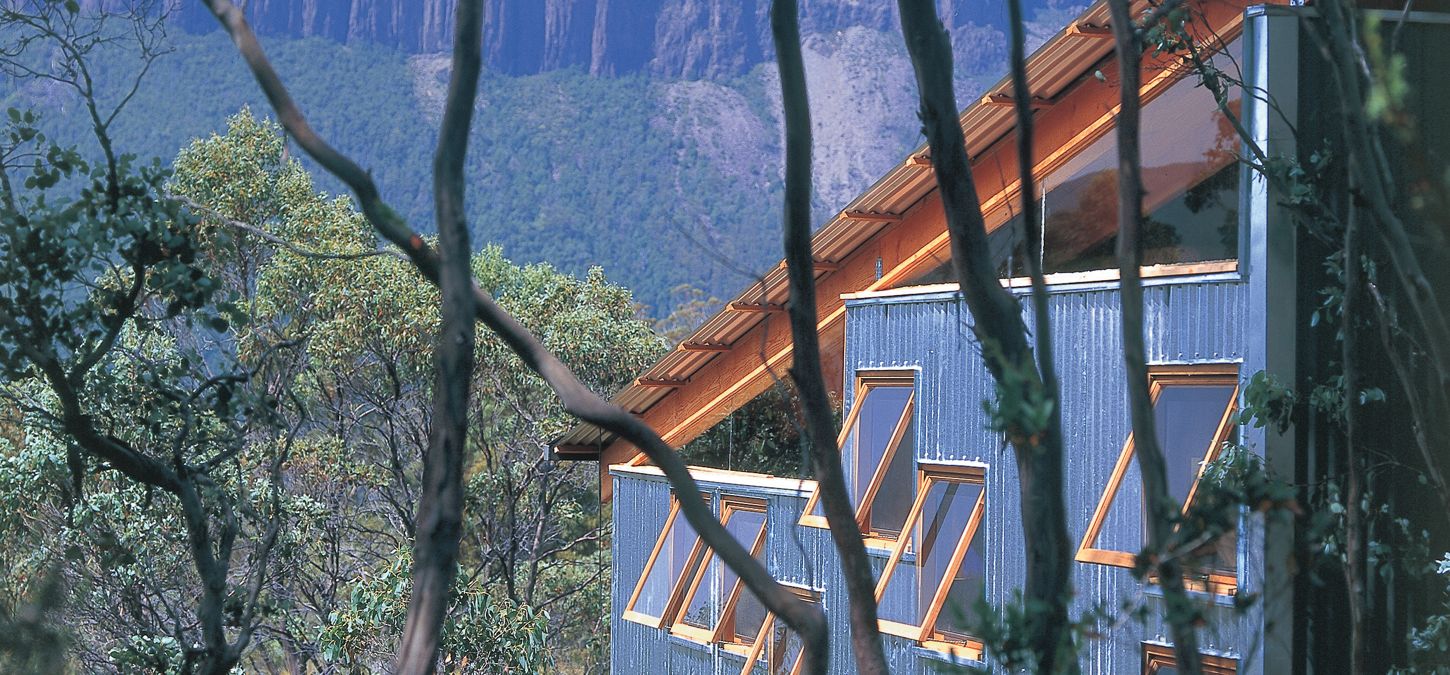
[935, 577]
[878, 443]
[717, 607]
[1193, 416]
[1190, 179]
[777, 649]
[675, 556]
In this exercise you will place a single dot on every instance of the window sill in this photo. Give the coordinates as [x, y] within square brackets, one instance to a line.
[879, 546]
[950, 654]
[684, 641]
[641, 619]
[1225, 598]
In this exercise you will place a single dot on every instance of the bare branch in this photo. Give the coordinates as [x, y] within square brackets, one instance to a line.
[577, 399]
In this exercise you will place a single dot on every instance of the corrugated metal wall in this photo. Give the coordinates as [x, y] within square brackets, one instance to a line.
[1188, 321]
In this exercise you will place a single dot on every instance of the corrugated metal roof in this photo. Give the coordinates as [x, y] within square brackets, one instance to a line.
[1051, 70]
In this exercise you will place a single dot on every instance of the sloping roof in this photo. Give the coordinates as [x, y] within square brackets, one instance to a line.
[1051, 70]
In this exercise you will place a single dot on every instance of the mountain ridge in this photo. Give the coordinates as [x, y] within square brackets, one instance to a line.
[692, 39]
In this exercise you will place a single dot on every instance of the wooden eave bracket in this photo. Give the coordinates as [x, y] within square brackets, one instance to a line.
[655, 382]
[703, 347]
[1090, 30]
[752, 308]
[923, 159]
[872, 216]
[1008, 100]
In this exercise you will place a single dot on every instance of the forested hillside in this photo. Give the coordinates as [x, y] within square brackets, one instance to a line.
[662, 181]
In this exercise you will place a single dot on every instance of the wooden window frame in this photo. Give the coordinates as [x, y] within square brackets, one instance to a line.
[729, 506]
[677, 588]
[926, 634]
[757, 653]
[1206, 374]
[866, 381]
[1156, 656]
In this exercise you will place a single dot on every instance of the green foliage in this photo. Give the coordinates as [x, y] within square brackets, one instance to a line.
[1430, 642]
[563, 166]
[1023, 407]
[485, 633]
[762, 436]
[365, 323]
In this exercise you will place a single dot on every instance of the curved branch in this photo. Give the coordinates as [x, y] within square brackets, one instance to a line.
[576, 398]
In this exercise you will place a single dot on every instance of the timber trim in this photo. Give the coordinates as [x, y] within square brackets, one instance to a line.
[926, 634]
[1205, 374]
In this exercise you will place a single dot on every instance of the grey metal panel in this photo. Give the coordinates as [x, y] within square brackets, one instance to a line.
[1189, 321]
[638, 520]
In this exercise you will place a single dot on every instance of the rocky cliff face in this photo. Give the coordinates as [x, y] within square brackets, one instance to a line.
[691, 39]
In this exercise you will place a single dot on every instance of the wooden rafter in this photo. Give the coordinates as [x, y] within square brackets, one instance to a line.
[1007, 100]
[872, 216]
[748, 307]
[1090, 30]
[704, 347]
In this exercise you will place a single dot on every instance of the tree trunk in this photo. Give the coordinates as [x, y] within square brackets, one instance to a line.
[807, 620]
[805, 370]
[998, 326]
[440, 506]
[1180, 611]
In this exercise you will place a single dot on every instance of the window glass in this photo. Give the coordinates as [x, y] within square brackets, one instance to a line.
[1192, 413]
[1187, 418]
[778, 650]
[745, 526]
[946, 511]
[887, 513]
[1191, 192]
[669, 565]
[867, 441]
[967, 586]
[878, 444]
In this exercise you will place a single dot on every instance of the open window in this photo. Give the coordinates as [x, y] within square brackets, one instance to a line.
[777, 649]
[878, 442]
[1193, 411]
[1159, 660]
[935, 576]
[676, 554]
[716, 607]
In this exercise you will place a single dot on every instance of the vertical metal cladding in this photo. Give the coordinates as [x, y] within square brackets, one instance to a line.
[1188, 321]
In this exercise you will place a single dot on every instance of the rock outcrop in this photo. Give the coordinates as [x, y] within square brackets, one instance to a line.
[691, 39]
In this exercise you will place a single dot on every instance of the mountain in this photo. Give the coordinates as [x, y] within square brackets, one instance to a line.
[659, 178]
[666, 38]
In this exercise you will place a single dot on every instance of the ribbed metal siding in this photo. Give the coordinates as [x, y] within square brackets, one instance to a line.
[1186, 323]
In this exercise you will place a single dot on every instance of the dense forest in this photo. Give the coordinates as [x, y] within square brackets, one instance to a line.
[663, 182]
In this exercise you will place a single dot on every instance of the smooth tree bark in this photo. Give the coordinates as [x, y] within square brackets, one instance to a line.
[805, 619]
[440, 504]
[1354, 530]
[805, 371]
[1162, 513]
[1027, 400]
